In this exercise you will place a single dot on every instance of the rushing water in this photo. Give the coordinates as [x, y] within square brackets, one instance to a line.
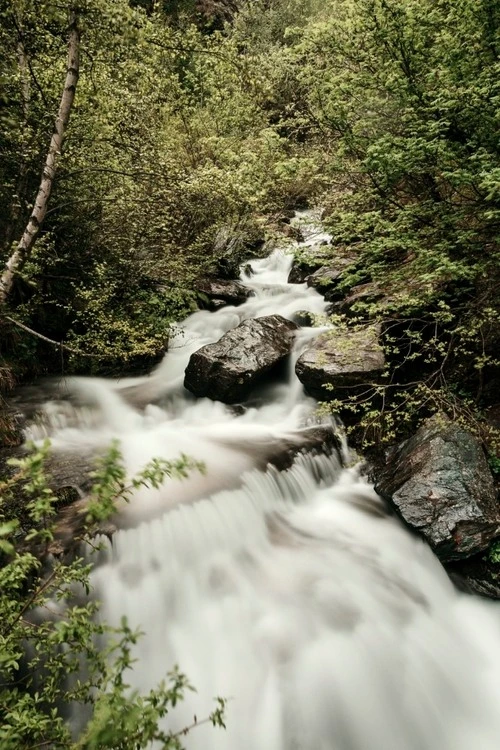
[294, 594]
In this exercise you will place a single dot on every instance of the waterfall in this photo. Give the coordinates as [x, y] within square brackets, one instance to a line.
[295, 594]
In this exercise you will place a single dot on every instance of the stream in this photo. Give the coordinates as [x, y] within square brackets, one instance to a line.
[295, 594]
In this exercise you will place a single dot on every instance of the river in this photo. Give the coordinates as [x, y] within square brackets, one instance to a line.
[294, 594]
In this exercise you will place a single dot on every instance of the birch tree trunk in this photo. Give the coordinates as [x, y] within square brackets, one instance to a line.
[25, 245]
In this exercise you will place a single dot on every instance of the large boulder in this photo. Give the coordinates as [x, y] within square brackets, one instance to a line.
[341, 360]
[227, 370]
[439, 482]
[218, 292]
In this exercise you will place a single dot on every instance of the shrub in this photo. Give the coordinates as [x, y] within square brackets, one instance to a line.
[47, 633]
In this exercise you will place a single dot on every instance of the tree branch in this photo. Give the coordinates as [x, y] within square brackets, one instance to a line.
[59, 344]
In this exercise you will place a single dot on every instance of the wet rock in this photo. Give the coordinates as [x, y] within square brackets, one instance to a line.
[12, 424]
[318, 439]
[307, 263]
[476, 575]
[338, 360]
[68, 473]
[359, 295]
[292, 232]
[220, 292]
[304, 318]
[286, 216]
[227, 267]
[70, 470]
[300, 271]
[248, 269]
[215, 304]
[68, 476]
[326, 280]
[281, 451]
[233, 245]
[440, 484]
[227, 370]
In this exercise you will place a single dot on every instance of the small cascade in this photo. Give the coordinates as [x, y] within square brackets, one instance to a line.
[295, 593]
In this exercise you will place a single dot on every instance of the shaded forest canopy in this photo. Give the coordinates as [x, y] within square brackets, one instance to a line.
[196, 124]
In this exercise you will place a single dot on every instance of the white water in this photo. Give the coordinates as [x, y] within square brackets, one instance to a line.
[293, 594]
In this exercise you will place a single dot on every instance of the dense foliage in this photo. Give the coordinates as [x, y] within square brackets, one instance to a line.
[409, 94]
[168, 146]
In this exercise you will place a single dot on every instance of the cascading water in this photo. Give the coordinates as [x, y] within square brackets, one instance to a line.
[294, 594]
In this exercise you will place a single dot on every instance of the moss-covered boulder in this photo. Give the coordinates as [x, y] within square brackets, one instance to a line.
[337, 361]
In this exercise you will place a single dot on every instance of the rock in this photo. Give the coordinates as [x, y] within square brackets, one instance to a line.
[362, 293]
[307, 263]
[70, 470]
[68, 473]
[323, 277]
[476, 575]
[316, 439]
[227, 267]
[11, 429]
[227, 370]
[282, 451]
[68, 476]
[233, 245]
[286, 216]
[215, 304]
[248, 269]
[301, 270]
[337, 360]
[220, 292]
[326, 279]
[440, 484]
[292, 232]
[304, 318]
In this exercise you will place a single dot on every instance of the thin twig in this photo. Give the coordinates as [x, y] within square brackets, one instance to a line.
[59, 344]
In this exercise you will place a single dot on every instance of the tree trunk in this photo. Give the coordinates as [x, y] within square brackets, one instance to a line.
[25, 246]
[25, 77]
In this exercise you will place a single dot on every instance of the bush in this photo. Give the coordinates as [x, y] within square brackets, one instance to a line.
[52, 661]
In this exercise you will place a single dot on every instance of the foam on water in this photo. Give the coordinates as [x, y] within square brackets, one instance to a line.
[325, 623]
